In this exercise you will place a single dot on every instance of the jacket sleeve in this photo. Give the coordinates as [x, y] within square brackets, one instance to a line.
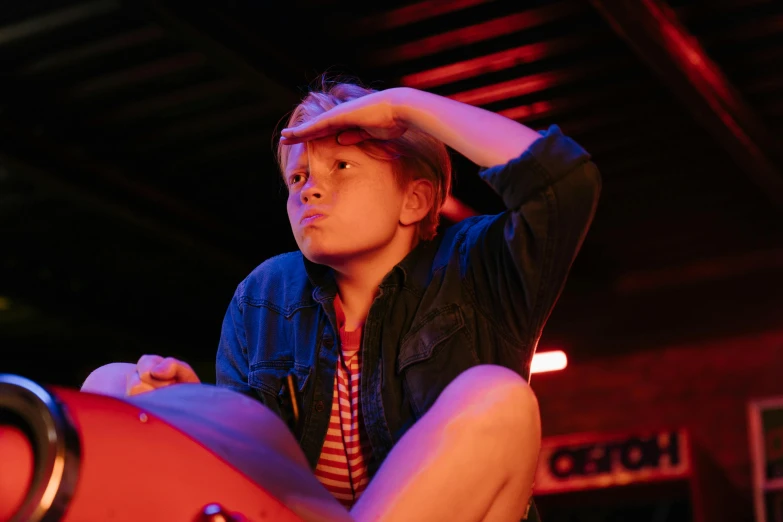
[516, 263]
[231, 363]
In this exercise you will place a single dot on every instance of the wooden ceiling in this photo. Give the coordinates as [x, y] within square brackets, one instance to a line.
[137, 186]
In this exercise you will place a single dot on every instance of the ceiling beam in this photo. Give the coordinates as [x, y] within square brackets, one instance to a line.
[59, 59]
[655, 34]
[222, 57]
[56, 19]
[494, 62]
[24, 141]
[411, 14]
[473, 34]
[259, 45]
[20, 140]
[133, 77]
[453, 209]
[149, 106]
[534, 83]
[61, 185]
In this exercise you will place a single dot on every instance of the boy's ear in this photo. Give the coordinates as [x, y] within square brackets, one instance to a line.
[419, 198]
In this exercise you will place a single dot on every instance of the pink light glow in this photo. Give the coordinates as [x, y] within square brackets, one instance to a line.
[482, 65]
[455, 210]
[549, 361]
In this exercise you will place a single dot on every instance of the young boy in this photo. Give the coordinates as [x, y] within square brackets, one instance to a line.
[411, 350]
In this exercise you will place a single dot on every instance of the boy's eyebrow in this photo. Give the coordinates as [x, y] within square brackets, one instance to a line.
[304, 159]
[296, 166]
[301, 162]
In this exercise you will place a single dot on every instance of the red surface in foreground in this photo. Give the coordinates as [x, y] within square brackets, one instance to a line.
[16, 471]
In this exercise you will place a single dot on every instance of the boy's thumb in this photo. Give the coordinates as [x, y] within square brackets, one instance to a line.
[164, 370]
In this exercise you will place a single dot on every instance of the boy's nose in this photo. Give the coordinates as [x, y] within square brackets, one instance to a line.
[313, 187]
[309, 192]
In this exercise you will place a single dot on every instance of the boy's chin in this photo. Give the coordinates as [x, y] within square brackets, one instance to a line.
[323, 256]
[319, 256]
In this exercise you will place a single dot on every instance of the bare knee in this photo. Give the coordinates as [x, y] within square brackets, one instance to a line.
[503, 425]
[109, 379]
[491, 391]
[491, 405]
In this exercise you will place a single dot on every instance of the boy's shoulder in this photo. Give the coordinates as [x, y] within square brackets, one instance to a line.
[455, 235]
[281, 278]
[458, 238]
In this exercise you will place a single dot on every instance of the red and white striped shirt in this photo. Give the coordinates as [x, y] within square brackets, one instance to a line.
[342, 467]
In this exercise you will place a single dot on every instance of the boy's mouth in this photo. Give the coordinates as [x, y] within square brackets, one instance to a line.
[310, 217]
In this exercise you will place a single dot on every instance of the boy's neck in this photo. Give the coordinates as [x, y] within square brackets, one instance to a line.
[356, 296]
[358, 282]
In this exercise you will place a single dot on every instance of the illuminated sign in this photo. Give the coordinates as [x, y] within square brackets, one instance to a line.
[584, 462]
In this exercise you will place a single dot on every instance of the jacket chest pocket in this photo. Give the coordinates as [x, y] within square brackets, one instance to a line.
[269, 379]
[436, 350]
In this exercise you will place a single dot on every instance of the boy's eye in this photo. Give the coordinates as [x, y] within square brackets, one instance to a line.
[341, 165]
[295, 178]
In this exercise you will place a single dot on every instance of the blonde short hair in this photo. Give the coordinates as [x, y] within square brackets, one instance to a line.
[415, 155]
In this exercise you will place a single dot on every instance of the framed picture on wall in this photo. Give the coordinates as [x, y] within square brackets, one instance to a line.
[765, 425]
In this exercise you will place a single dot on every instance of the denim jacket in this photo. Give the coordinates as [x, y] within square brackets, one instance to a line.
[479, 293]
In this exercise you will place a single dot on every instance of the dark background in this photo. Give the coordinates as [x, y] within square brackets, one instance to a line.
[137, 185]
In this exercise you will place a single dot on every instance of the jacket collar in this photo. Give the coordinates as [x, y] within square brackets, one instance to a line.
[413, 271]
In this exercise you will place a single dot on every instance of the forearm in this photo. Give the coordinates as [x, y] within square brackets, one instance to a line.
[486, 138]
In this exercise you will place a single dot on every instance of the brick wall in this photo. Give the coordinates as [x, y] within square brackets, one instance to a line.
[704, 388]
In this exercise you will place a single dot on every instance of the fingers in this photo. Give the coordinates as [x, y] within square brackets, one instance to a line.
[330, 123]
[153, 372]
[298, 135]
[134, 385]
[345, 137]
[318, 127]
[353, 136]
[146, 363]
[368, 117]
[170, 369]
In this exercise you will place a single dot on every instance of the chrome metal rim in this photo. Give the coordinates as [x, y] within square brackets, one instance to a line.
[55, 442]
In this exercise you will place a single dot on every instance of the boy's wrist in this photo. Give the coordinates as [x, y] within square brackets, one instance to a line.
[403, 100]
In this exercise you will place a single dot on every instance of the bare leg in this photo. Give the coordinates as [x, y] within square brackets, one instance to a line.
[238, 429]
[110, 379]
[250, 437]
[472, 457]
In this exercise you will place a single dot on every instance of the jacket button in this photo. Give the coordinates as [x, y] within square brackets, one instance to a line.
[319, 406]
[328, 342]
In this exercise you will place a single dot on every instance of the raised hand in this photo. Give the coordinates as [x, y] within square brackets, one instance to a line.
[375, 116]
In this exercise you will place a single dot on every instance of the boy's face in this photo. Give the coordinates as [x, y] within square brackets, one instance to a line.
[342, 203]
